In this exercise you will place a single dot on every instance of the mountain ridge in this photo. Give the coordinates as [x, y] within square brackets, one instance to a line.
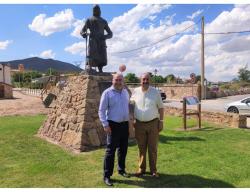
[42, 65]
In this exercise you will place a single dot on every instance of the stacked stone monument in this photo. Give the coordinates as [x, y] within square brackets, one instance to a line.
[73, 122]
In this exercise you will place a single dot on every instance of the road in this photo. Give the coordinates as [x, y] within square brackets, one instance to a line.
[216, 105]
[30, 105]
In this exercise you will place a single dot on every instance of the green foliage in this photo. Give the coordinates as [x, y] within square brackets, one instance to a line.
[170, 78]
[25, 77]
[214, 156]
[244, 74]
[225, 86]
[51, 71]
[197, 78]
[131, 78]
[157, 79]
[235, 85]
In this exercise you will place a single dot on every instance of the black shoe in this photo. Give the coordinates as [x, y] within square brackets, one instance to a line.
[107, 181]
[124, 174]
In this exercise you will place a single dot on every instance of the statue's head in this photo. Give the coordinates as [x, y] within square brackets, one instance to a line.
[97, 11]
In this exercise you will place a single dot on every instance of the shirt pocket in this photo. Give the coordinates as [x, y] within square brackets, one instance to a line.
[149, 102]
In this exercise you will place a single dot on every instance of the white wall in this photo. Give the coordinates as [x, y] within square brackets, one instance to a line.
[6, 73]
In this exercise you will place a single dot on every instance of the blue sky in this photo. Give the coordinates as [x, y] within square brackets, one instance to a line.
[27, 42]
[24, 42]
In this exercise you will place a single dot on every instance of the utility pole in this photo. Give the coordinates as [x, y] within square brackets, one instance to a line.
[155, 72]
[202, 59]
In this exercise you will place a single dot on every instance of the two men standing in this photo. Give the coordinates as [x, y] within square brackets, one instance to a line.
[114, 115]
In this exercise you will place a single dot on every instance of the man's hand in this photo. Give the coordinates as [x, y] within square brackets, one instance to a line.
[107, 130]
[84, 35]
[160, 126]
[133, 121]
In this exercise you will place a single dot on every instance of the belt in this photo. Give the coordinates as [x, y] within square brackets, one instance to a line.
[147, 121]
[123, 122]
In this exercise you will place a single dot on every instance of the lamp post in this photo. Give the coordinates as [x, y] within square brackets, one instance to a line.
[155, 72]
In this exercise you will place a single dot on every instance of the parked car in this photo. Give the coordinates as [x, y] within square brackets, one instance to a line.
[241, 106]
[214, 87]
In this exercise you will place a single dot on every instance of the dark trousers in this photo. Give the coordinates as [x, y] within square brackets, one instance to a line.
[118, 139]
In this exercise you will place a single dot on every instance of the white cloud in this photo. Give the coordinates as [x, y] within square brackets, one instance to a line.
[132, 18]
[237, 44]
[76, 48]
[195, 14]
[235, 20]
[168, 20]
[78, 27]
[48, 54]
[5, 44]
[48, 25]
[180, 55]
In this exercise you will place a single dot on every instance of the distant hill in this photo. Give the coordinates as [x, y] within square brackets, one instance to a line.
[42, 65]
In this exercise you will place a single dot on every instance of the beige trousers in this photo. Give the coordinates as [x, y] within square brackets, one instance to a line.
[147, 135]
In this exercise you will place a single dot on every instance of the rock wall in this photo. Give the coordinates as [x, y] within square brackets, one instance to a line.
[225, 93]
[73, 122]
[224, 119]
[178, 91]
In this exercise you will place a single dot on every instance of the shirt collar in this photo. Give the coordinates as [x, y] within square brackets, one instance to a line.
[147, 90]
[113, 89]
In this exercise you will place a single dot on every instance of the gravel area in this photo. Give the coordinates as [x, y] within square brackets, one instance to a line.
[22, 104]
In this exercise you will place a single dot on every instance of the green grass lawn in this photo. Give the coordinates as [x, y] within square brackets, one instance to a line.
[210, 157]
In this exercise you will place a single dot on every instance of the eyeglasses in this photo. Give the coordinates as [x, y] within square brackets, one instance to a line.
[118, 80]
[145, 79]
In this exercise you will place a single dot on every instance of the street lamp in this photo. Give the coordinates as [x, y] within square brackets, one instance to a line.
[155, 72]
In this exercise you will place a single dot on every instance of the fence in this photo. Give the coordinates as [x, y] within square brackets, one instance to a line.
[173, 91]
[32, 92]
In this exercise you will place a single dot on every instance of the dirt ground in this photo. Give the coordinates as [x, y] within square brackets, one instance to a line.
[22, 105]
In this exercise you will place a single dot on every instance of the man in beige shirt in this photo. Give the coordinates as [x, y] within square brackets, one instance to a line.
[148, 114]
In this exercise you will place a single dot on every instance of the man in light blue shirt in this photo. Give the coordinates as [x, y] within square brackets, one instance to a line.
[114, 116]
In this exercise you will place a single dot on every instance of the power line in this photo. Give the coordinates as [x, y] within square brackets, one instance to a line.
[226, 33]
[152, 44]
[163, 39]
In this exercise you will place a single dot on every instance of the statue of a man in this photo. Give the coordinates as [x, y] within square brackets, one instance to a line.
[97, 53]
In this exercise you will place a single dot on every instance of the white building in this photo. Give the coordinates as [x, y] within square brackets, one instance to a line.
[5, 82]
[5, 76]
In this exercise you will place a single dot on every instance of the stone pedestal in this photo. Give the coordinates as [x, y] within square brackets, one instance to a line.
[73, 122]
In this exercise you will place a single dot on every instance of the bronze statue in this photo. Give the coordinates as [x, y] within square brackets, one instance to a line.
[96, 54]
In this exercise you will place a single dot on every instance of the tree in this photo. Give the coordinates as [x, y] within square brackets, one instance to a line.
[170, 78]
[197, 78]
[131, 78]
[51, 71]
[25, 77]
[244, 74]
[157, 79]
